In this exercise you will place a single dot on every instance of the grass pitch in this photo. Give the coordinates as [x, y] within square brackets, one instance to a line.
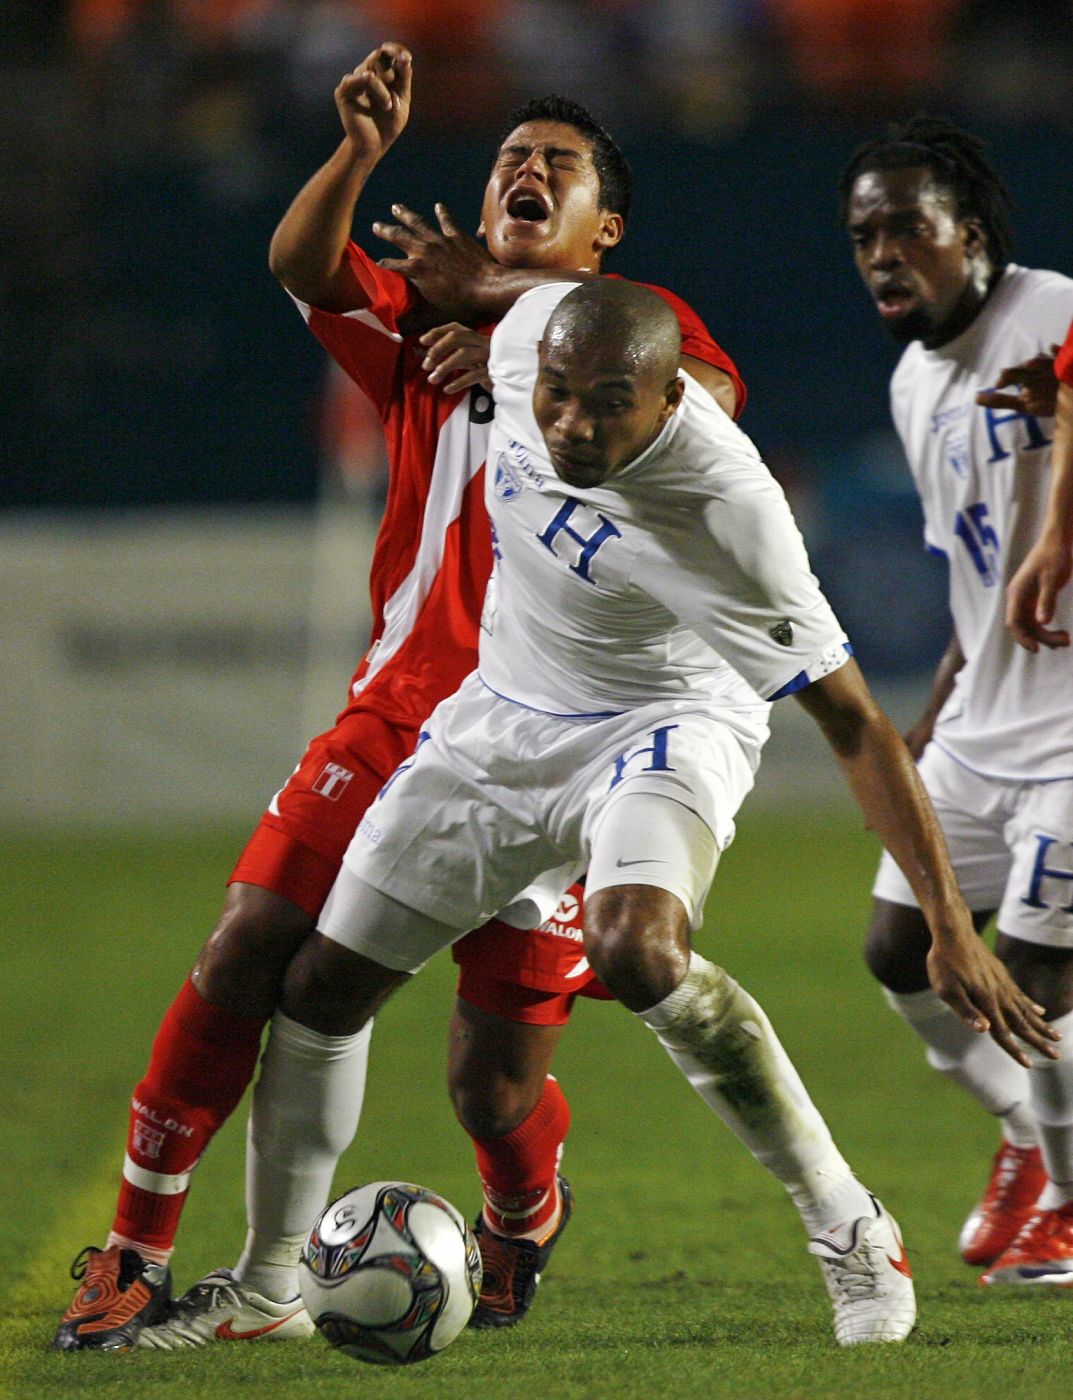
[684, 1272]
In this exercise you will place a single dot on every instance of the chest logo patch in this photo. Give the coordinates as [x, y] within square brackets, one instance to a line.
[506, 483]
[782, 632]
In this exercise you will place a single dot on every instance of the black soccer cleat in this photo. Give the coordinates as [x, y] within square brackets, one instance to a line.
[512, 1269]
[119, 1294]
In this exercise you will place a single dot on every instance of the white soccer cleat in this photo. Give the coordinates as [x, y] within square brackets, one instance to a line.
[219, 1308]
[868, 1278]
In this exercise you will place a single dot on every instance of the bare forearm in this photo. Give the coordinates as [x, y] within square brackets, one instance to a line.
[942, 684]
[307, 249]
[883, 779]
[1058, 526]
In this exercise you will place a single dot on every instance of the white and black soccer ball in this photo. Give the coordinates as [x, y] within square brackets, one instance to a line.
[390, 1273]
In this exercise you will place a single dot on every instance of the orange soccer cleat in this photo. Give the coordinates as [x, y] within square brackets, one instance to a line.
[1017, 1178]
[1041, 1253]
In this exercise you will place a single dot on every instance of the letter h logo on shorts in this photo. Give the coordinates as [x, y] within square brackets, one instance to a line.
[332, 781]
[589, 544]
[658, 751]
[1040, 871]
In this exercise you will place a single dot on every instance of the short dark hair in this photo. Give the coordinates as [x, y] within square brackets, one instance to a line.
[958, 164]
[612, 169]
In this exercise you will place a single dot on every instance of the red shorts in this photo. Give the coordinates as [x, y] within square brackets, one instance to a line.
[298, 847]
[530, 976]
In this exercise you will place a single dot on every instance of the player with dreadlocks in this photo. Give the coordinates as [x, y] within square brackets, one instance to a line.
[929, 220]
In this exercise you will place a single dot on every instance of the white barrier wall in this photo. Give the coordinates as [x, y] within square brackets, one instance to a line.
[156, 665]
[170, 666]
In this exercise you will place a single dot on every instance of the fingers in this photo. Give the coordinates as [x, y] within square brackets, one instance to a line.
[446, 221]
[455, 353]
[994, 398]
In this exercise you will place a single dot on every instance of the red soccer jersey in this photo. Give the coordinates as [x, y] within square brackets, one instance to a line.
[433, 551]
[1063, 365]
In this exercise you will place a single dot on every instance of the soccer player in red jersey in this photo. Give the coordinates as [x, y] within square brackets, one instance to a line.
[555, 203]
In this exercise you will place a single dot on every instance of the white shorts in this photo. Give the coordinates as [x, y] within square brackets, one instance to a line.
[496, 794]
[1011, 846]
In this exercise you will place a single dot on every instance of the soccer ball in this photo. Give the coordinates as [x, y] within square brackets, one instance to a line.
[390, 1273]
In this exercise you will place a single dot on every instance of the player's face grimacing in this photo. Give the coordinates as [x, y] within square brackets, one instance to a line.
[596, 410]
[926, 269]
[541, 205]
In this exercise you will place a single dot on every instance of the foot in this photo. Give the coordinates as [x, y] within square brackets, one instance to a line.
[120, 1293]
[221, 1309]
[868, 1279]
[512, 1268]
[1017, 1178]
[1041, 1253]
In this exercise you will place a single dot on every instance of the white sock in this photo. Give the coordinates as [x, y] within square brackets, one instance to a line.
[970, 1059]
[724, 1044]
[305, 1111]
[1051, 1083]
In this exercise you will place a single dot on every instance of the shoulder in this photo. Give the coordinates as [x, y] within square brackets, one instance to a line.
[1035, 302]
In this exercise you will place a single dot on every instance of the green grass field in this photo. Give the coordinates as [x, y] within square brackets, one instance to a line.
[684, 1272]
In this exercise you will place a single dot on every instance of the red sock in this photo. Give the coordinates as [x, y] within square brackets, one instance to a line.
[202, 1059]
[518, 1170]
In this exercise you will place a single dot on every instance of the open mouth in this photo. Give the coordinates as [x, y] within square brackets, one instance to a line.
[894, 300]
[527, 207]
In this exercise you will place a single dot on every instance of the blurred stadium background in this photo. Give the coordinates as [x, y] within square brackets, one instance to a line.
[188, 495]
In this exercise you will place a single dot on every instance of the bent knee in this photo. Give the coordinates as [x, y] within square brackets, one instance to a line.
[244, 959]
[896, 947]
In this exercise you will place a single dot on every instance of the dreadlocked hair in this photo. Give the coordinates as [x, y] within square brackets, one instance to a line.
[958, 165]
[612, 170]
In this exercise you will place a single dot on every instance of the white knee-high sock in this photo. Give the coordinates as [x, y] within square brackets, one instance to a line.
[305, 1111]
[972, 1060]
[724, 1044]
[1051, 1084]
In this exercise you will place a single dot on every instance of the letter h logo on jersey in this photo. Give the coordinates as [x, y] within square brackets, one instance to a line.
[589, 544]
[657, 750]
[1042, 871]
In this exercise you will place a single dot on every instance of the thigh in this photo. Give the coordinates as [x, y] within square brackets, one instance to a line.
[897, 944]
[1037, 906]
[972, 812]
[644, 839]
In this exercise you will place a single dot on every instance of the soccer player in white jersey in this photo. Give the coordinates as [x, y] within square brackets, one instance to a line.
[636, 530]
[928, 218]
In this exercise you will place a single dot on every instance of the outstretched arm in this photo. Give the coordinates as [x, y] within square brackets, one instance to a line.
[883, 779]
[1032, 592]
[307, 249]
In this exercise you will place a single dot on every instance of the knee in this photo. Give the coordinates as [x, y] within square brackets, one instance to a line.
[637, 941]
[489, 1105]
[242, 964]
[332, 990]
[1045, 974]
[896, 948]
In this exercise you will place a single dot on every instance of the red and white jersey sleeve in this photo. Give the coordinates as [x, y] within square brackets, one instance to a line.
[1063, 365]
[433, 550]
[433, 553]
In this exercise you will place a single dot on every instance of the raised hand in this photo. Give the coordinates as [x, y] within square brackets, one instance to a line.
[374, 100]
[455, 350]
[447, 266]
[1036, 391]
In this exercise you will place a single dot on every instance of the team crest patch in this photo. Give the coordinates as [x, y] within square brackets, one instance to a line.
[782, 632]
[332, 782]
[507, 484]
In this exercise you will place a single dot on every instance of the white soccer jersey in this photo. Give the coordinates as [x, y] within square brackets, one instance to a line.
[982, 477]
[608, 598]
